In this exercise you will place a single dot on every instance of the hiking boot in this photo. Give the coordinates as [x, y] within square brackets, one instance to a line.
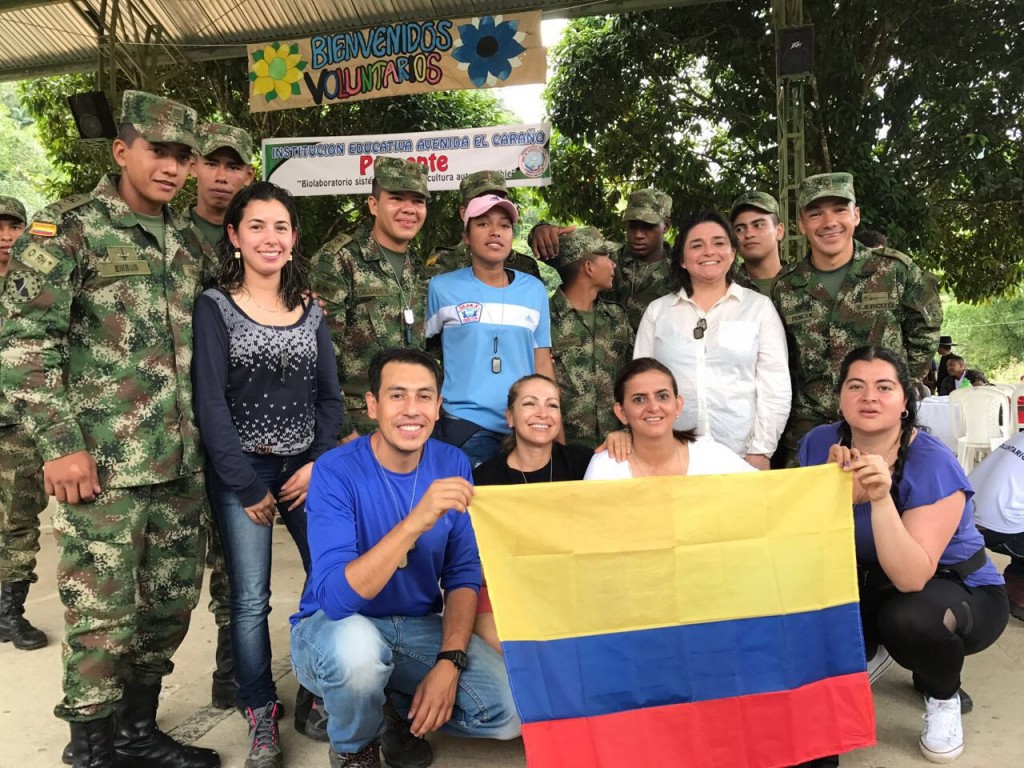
[138, 741]
[223, 692]
[966, 702]
[367, 757]
[942, 740]
[400, 748]
[878, 664]
[310, 715]
[93, 743]
[264, 740]
[1015, 593]
[14, 627]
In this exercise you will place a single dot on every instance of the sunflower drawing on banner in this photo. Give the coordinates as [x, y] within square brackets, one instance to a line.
[489, 48]
[276, 71]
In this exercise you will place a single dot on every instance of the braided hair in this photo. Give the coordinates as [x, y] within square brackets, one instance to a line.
[908, 419]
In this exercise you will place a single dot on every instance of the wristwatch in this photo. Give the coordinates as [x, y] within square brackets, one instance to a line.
[459, 658]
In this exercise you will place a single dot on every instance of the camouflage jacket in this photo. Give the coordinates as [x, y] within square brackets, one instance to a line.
[637, 284]
[585, 365]
[97, 345]
[365, 305]
[9, 415]
[885, 300]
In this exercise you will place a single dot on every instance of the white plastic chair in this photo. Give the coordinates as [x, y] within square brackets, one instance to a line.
[984, 422]
[1015, 397]
[1006, 389]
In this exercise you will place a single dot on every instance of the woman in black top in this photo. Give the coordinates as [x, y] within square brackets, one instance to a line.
[528, 455]
[268, 404]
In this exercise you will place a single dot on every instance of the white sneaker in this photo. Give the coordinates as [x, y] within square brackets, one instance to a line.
[878, 663]
[942, 740]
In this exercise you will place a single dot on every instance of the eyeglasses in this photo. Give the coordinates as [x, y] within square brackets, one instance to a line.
[698, 331]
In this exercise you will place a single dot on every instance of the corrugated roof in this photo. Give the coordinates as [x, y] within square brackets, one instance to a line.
[43, 37]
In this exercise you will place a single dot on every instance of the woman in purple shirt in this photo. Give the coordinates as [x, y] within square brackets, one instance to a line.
[928, 592]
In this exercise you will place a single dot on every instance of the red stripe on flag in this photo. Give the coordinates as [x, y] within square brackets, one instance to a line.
[766, 730]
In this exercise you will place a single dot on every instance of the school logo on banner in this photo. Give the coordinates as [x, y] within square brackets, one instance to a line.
[397, 59]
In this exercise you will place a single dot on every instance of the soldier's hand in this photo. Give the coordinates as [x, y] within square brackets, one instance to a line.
[619, 445]
[544, 240]
[442, 495]
[264, 511]
[297, 486]
[310, 295]
[758, 461]
[73, 478]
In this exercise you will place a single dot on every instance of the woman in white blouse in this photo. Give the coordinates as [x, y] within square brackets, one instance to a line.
[724, 344]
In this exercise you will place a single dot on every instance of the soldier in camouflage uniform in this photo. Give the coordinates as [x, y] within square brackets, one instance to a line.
[842, 296]
[21, 485]
[456, 257]
[755, 220]
[223, 168]
[372, 285]
[591, 338]
[643, 272]
[96, 348]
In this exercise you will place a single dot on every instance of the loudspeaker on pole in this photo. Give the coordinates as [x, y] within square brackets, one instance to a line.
[92, 114]
[795, 51]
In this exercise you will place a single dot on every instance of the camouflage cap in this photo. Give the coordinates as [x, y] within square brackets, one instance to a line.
[762, 201]
[393, 174]
[12, 207]
[647, 205]
[214, 136]
[825, 185]
[480, 183]
[577, 245]
[160, 120]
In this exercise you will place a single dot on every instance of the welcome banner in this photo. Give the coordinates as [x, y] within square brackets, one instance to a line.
[343, 165]
[397, 59]
[705, 621]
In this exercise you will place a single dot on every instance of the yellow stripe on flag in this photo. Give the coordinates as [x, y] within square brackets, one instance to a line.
[583, 558]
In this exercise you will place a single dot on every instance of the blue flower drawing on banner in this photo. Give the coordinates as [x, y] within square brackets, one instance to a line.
[489, 48]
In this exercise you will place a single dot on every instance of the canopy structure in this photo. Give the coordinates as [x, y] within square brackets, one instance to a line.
[145, 42]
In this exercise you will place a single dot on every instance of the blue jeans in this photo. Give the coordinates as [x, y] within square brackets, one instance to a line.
[247, 550]
[349, 663]
[482, 446]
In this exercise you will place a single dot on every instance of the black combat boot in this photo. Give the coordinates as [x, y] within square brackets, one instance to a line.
[93, 743]
[223, 693]
[14, 627]
[140, 744]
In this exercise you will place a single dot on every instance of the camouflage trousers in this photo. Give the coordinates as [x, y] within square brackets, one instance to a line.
[129, 574]
[220, 590]
[22, 499]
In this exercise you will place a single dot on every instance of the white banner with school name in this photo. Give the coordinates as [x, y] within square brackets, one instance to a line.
[343, 165]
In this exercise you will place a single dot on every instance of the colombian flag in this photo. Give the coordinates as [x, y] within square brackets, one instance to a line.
[688, 621]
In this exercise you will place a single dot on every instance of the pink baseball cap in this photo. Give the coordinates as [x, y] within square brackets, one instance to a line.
[478, 206]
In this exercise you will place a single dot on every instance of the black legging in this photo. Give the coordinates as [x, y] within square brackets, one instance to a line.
[911, 627]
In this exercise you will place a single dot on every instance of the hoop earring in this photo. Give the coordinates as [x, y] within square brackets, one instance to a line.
[904, 415]
[238, 254]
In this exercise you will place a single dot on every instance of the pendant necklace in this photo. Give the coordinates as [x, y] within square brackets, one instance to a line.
[653, 473]
[496, 359]
[408, 317]
[551, 471]
[282, 346]
[394, 496]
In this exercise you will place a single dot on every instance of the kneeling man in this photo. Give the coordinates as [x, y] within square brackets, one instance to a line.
[391, 546]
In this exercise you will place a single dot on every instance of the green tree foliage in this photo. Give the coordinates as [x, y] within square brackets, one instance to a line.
[24, 169]
[989, 336]
[922, 102]
[220, 92]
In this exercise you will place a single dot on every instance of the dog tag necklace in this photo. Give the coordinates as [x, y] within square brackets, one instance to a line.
[408, 317]
[496, 360]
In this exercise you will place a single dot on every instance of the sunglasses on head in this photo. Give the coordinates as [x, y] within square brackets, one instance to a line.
[698, 331]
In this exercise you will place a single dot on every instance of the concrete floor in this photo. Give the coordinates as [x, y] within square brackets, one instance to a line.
[34, 738]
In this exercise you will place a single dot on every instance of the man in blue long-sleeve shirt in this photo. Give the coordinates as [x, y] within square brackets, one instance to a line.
[391, 547]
